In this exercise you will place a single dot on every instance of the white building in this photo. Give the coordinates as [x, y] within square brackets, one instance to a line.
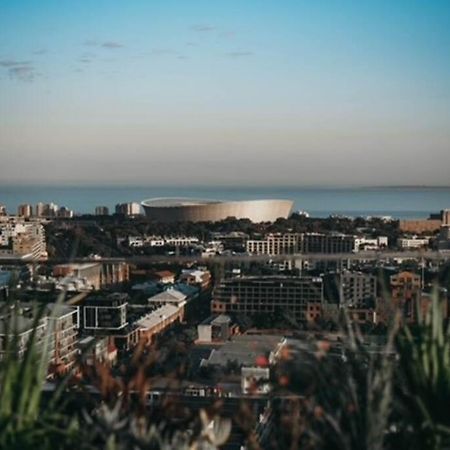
[413, 242]
[364, 243]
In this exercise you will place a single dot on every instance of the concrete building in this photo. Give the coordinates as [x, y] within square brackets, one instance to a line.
[168, 297]
[193, 210]
[413, 242]
[357, 290]
[364, 243]
[58, 326]
[98, 349]
[158, 321]
[114, 274]
[5, 280]
[196, 277]
[104, 314]
[90, 272]
[216, 329]
[39, 209]
[406, 288]
[64, 213]
[101, 211]
[22, 240]
[164, 277]
[95, 275]
[446, 218]
[25, 210]
[420, 226]
[3, 211]
[293, 296]
[274, 244]
[443, 240]
[327, 243]
[128, 209]
[63, 321]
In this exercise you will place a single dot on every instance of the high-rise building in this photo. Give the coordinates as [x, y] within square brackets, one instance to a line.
[446, 217]
[296, 297]
[46, 210]
[64, 213]
[101, 211]
[39, 209]
[3, 211]
[128, 209]
[25, 210]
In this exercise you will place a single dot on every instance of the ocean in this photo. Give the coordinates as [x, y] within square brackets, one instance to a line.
[398, 202]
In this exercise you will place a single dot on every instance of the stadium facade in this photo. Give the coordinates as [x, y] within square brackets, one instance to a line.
[193, 210]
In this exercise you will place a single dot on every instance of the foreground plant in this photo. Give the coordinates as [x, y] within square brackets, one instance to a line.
[424, 379]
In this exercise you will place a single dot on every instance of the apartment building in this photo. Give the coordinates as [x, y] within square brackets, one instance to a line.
[128, 209]
[22, 239]
[56, 330]
[274, 244]
[296, 296]
[357, 290]
[413, 242]
[89, 272]
[406, 290]
[25, 210]
[327, 243]
[101, 211]
[113, 274]
[104, 313]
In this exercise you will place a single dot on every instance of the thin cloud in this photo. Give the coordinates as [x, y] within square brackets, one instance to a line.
[90, 43]
[227, 34]
[13, 63]
[22, 73]
[241, 54]
[201, 28]
[41, 51]
[111, 45]
[163, 51]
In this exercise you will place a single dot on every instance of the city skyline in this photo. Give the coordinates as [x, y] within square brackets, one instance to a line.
[211, 93]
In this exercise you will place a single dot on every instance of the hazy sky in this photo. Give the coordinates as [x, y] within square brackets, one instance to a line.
[225, 92]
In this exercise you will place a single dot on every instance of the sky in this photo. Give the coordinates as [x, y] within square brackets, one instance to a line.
[254, 92]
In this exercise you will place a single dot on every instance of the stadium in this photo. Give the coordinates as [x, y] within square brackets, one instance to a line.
[194, 210]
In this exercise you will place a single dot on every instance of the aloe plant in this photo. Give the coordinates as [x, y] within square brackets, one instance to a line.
[424, 378]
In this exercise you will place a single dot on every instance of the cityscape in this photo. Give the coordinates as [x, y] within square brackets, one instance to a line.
[249, 302]
[224, 225]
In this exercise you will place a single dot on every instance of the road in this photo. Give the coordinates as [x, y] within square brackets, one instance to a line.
[359, 256]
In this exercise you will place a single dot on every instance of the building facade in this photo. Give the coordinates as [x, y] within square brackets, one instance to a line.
[357, 290]
[274, 244]
[266, 295]
[195, 210]
[327, 243]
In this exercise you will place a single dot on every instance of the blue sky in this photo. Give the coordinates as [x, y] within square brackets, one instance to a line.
[215, 92]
